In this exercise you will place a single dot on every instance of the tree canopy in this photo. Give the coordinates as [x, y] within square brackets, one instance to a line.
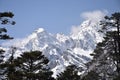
[71, 73]
[5, 19]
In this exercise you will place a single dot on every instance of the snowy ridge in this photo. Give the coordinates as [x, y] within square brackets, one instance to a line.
[63, 50]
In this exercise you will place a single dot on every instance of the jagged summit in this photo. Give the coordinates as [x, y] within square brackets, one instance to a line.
[39, 30]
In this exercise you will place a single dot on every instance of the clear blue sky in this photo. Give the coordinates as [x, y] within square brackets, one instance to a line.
[55, 16]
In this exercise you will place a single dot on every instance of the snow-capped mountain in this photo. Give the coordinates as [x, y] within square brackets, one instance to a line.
[63, 50]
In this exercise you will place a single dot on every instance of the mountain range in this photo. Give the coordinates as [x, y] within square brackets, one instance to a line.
[63, 50]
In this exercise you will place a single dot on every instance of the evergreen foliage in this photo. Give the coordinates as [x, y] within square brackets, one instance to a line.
[4, 19]
[8, 69]
[1, 55]
[113, 22]
[92, 75]
[33, 65]
[108, 52]
[71, 73]
[30, 66]
[117, 78]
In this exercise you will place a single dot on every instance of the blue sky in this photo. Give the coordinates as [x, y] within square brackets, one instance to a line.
[55, 16]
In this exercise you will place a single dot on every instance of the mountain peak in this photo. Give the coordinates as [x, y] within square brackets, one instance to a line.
[39, 30]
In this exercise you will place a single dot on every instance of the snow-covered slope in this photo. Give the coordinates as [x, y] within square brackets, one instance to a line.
[63, 50]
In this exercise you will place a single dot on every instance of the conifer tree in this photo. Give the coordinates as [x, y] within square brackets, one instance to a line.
[108, 52]
[113, 22]
[33, 66]
[71, 73]
[103, 57]
[4, 19]
[8, 68]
